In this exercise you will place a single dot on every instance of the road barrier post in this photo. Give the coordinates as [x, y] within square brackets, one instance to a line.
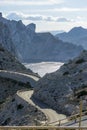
[80, 107]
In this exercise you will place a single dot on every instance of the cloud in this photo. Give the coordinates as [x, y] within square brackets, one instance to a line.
[56, 1]
[65, 9]
[69, 9]
[30, 2]
[21, 16]
[15, 16]
[34, 18]
[49, 18]
[63, 20]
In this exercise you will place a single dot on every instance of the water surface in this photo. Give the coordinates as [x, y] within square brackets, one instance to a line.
[43, 67]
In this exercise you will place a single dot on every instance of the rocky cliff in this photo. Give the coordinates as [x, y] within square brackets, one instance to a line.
[16, 111]
[29, 46]
[10, 62]
[13, 109]
[76, 35]
[63, 89]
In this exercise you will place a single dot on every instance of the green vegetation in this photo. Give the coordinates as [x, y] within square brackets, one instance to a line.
[13, 99]
[79, 61]
[2, 49]
[19, 106]
[66, 73]
[1, 102]
[82, 93]
[6, 121]
[80, 71]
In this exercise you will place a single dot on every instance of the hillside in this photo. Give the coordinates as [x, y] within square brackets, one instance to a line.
[63, 89]
[13, 109]
[10, 62]
[30, 46]
[16, 111]
[76, 35]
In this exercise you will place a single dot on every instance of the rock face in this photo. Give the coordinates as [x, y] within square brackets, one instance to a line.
[16, 111]
[5, 38]
[63, 89]
[77, 36]
[8, 86]
[13, 109]
[9, 62]
[29, 46]
[32, 27]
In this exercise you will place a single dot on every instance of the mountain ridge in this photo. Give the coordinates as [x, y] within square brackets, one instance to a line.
[76, 35]
[30, 46]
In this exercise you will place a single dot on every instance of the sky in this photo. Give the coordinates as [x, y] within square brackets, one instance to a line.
[48, 15]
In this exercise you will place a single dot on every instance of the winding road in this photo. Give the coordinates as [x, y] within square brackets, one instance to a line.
[22, 77]
[51, 114]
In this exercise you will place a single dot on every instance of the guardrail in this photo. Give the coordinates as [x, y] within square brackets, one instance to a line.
[42, 128]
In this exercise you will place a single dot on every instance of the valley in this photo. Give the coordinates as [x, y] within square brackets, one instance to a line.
[43, 67]
[43, 77]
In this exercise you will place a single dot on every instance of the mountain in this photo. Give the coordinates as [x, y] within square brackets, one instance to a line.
[17, 112]
[56, 32]
[76, 35]
[10, 62]
[29, 46]
[63, 89]
[13, 109]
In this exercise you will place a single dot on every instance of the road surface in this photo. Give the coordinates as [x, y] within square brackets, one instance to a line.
[24, 78]
[51, 114]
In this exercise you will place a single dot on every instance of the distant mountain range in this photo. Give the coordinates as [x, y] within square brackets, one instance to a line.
[76, 35]
[56, 32]
[29, 46]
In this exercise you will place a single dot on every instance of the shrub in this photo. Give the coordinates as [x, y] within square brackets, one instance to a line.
[80, 61]
[82, 94]
[66, 73]
[13, 99]
[2, 49]
[80, 71]
[6, 122]
[19, 106]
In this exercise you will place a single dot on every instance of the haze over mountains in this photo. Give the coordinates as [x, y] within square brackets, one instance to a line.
[30, 46]
[77, 36]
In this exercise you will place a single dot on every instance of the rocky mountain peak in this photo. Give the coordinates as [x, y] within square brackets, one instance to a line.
[30, 46]
[32, 27]
[79, 30]
[77, 36]
[2, 19]
[0, 14]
